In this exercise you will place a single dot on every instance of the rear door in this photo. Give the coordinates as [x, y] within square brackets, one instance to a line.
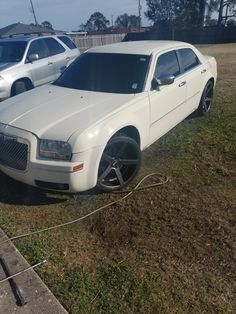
[194, 74]
[58, 56]
[73, 51]
[41, 70]
[167, 102]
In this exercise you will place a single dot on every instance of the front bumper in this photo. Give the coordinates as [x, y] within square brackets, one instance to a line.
[79, 174]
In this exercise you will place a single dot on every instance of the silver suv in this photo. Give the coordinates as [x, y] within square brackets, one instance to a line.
[27, 62]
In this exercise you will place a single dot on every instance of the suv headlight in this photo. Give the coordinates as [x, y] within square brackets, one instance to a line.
[55, 150]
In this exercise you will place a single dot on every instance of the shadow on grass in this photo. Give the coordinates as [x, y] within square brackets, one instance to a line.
[16, 193]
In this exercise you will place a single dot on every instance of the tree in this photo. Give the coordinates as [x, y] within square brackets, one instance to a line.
[96, 22]
[177, 13]
[47, 24]
[161, 11]
[187, 13]
[231, 22]
[126, 21]
[194, 12]
[173, 14]
[226, 7]
[210, 22]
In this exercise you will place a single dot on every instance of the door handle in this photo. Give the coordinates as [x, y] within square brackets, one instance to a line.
[182, 83]
[203, 71]
[68, 58]
[50, 63]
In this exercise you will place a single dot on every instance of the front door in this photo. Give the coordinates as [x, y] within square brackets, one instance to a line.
[167, 102]
[42, 70]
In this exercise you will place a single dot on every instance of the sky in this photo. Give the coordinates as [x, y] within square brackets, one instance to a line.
[65, 14]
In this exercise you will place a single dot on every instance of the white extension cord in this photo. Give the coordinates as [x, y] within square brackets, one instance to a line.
[138, 187]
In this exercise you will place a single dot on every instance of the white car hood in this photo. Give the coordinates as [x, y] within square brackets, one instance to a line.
[56, 113]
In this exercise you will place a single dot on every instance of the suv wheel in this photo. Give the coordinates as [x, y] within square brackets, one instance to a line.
[20, 87]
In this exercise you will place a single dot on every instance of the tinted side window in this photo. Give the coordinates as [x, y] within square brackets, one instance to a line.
[38, 47]
[167, 64]
[67, 41]
[54, 46]
[189, 59]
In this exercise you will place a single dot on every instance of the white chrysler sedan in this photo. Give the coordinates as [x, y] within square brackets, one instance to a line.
[90, 126]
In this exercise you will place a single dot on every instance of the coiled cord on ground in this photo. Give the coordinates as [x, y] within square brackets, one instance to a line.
[138, 187]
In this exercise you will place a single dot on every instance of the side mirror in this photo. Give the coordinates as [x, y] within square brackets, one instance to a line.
[162, 80]
[154, 84]
[33, 57]
[62, 69]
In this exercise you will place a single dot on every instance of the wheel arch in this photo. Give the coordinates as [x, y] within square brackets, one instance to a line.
[130, 131]
[212, 80]
[26, 80]
[97, 146]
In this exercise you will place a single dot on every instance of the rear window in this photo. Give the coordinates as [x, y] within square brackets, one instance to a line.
[54, 46]
[67, 41]
[189, 59]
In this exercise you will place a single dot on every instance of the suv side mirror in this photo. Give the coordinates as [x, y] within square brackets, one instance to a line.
[33, 57]
[163, 80]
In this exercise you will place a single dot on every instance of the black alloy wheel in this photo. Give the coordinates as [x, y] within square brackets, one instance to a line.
[206, 99]
[119, 164]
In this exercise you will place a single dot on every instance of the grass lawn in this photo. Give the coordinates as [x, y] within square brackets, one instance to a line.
[171, 249]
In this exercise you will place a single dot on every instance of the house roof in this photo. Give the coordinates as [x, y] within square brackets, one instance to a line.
[19, 29]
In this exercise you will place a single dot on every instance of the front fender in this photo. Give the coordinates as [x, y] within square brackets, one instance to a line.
[99, 134]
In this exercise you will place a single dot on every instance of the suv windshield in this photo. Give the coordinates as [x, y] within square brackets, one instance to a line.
[106, 72]
[12, 51]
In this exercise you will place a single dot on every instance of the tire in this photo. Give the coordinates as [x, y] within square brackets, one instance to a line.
[119, 164]
[206, 99]
[19, 87]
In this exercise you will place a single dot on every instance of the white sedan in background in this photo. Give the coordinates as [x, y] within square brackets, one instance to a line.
[90, 126]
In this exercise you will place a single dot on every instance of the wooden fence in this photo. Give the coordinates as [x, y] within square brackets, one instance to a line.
[88, 41]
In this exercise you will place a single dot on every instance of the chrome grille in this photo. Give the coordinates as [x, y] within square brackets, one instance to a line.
[12, 153]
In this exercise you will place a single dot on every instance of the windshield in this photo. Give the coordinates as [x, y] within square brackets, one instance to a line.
[106, 72]
[12, 51]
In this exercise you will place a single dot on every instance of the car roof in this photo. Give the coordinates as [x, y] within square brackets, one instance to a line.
[18, 38]
[144, 47]
[27, 38]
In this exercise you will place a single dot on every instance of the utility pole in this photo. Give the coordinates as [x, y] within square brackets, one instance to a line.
[32, 7]
[112, 22]
[139, 13]
[220, 12]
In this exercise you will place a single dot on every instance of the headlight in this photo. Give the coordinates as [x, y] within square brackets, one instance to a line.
[55, 150]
